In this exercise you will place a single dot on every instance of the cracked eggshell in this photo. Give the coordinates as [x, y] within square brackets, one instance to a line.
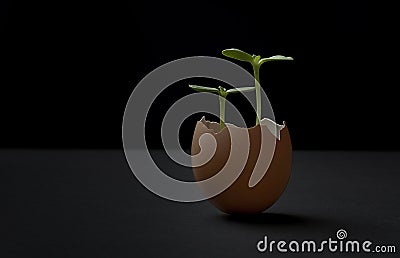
[240, 198]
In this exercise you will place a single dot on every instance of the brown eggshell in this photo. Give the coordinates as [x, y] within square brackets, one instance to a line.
[239, 198]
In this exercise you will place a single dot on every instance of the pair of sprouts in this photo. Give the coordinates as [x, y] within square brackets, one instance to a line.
[256, 62]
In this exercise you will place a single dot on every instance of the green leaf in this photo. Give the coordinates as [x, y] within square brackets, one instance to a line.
[275, 58]
[242, 89]
[237, 54]
[204, 89]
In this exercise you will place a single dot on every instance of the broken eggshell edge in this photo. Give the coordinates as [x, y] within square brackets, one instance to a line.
[239, 197]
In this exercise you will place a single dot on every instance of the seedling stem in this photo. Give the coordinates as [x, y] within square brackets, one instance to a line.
[256, 62]
[223, 93]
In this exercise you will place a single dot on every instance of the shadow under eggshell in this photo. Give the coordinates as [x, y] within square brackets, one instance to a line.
[239, 198]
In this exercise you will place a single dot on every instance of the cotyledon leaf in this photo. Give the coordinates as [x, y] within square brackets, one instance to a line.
[204, 89]
[237, 54]
[242, 89]
[275, 58]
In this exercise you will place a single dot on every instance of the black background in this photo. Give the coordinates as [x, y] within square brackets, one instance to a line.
[68, 68]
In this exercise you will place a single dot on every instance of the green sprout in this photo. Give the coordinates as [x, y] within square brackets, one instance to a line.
[223, 93]
[256, 62]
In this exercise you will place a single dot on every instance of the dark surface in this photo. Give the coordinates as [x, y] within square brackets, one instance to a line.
[88, 204]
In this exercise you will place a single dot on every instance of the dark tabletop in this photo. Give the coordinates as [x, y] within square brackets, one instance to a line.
[87, 203]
